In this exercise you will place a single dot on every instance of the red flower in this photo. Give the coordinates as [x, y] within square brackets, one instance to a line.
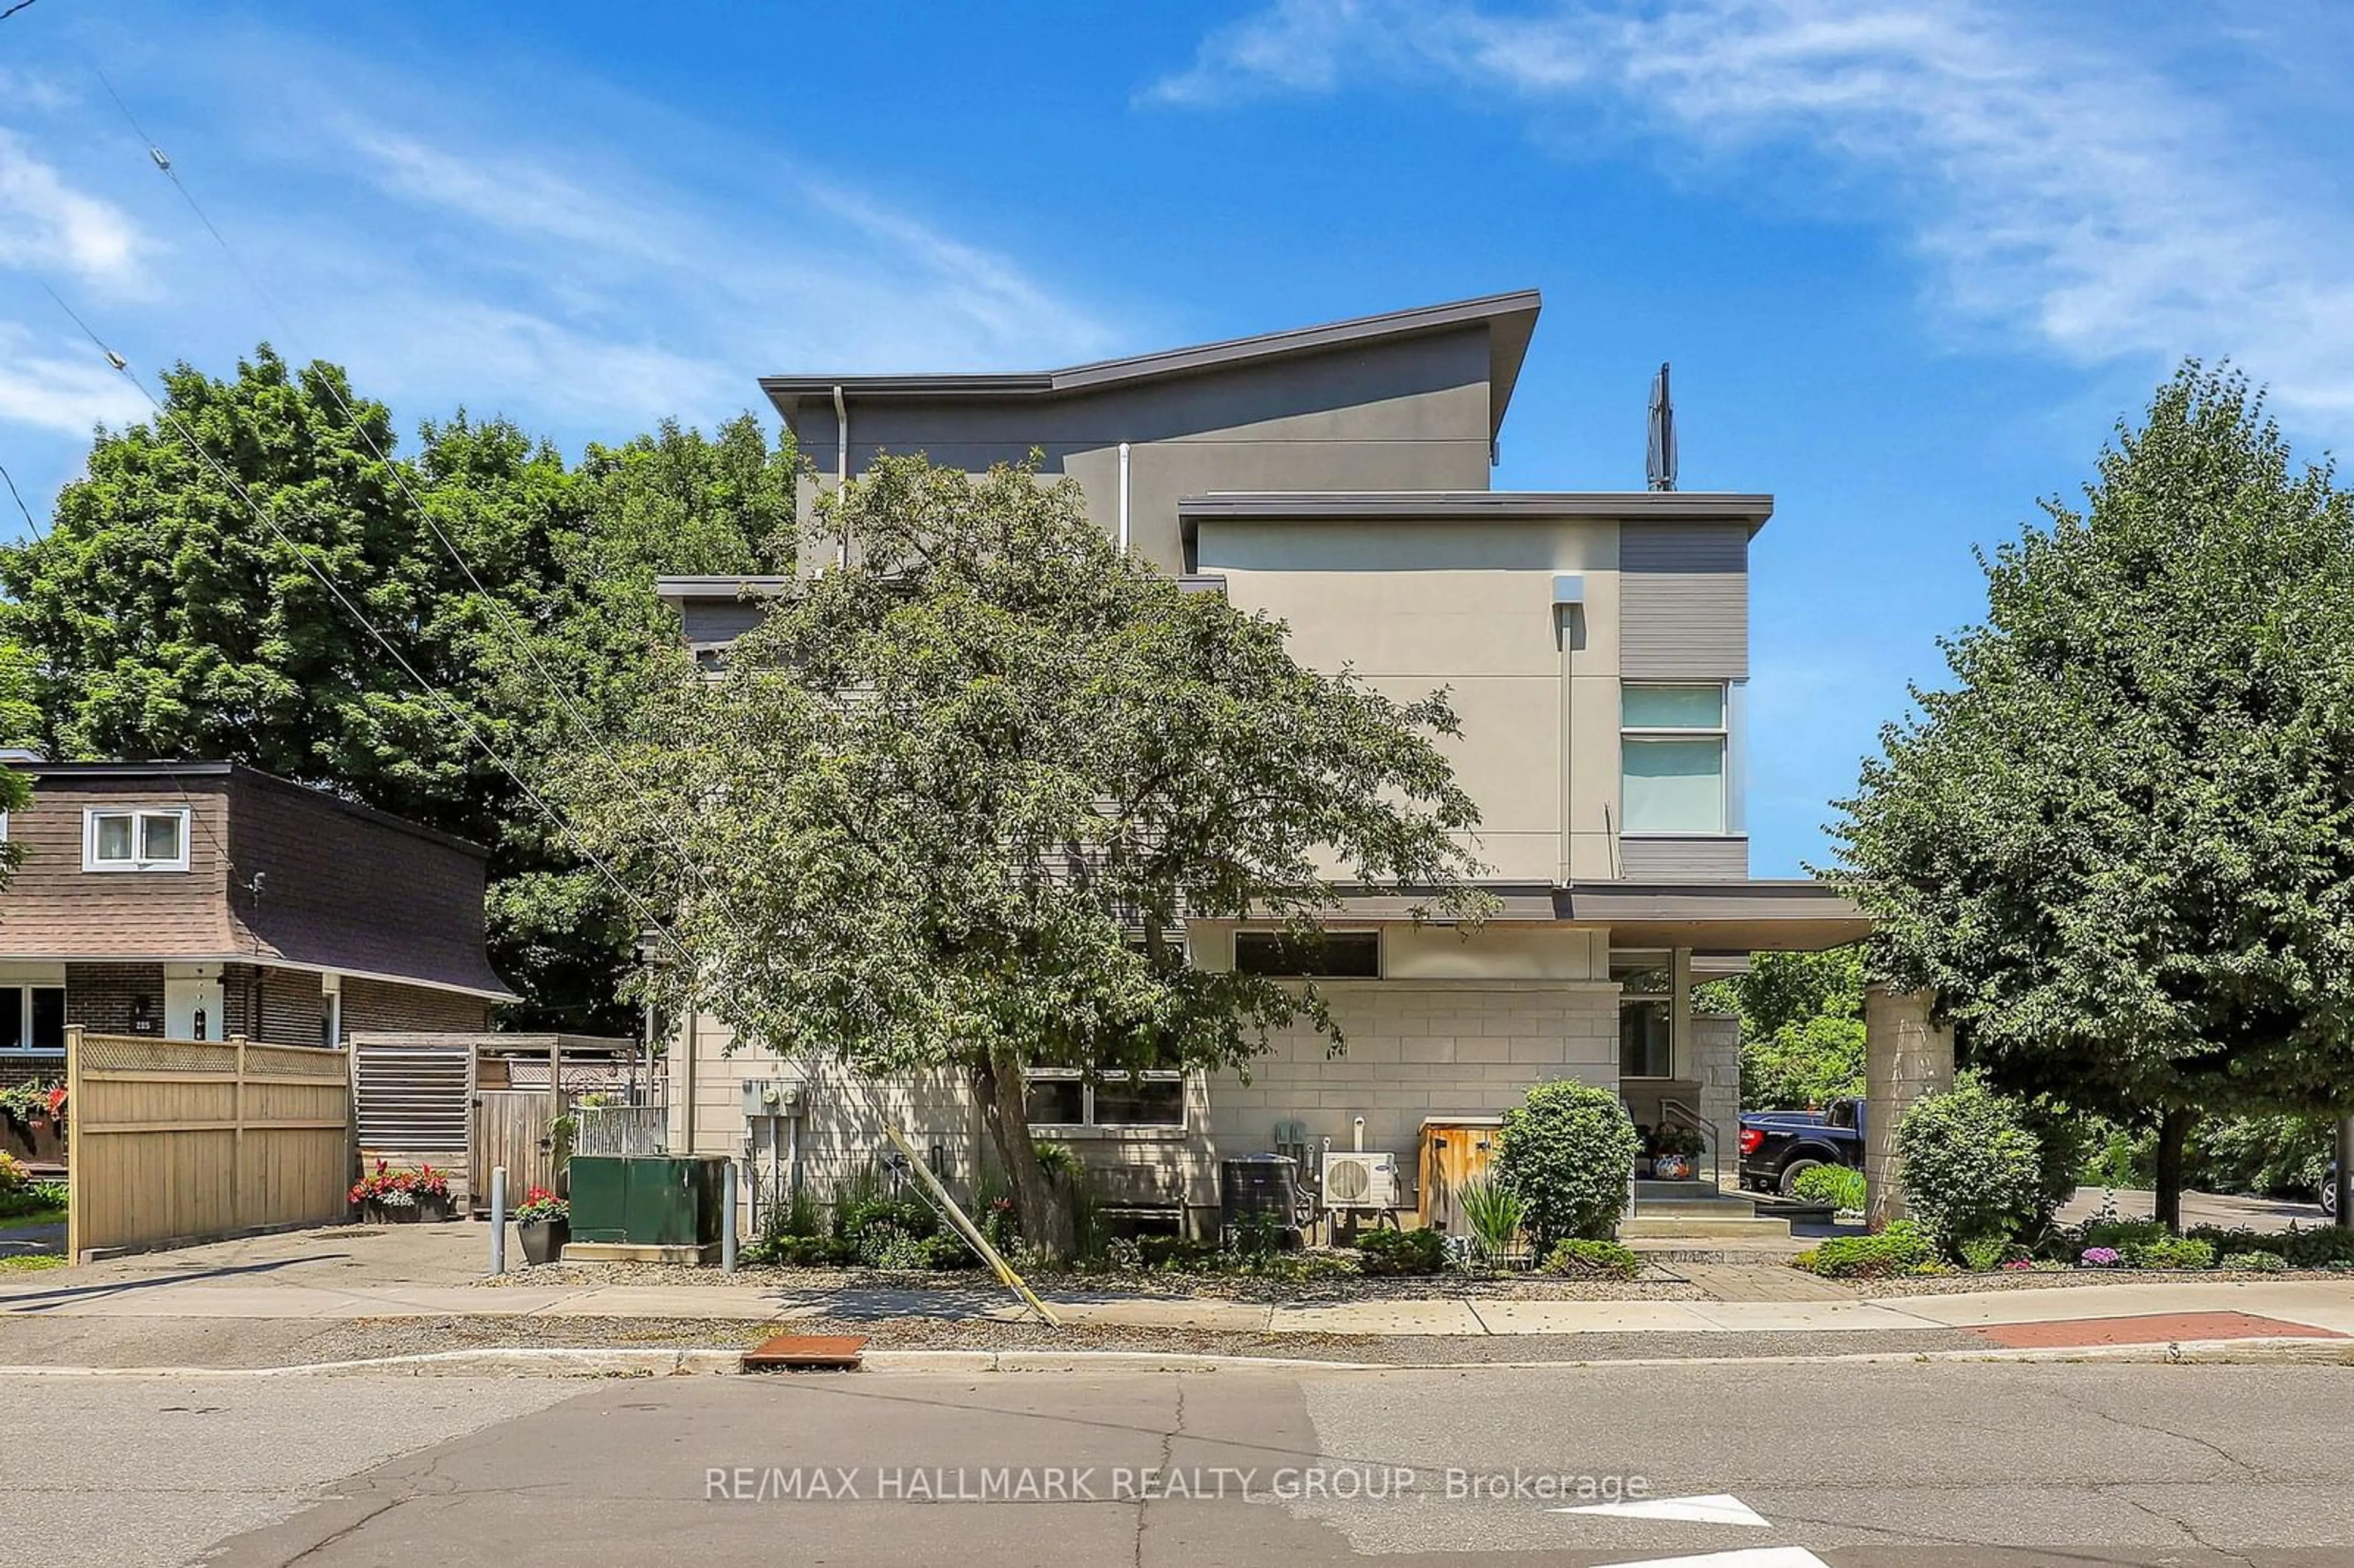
[56, 1099]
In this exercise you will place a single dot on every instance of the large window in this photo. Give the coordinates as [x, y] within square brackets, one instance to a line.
[1672, 749]
[1076, 1096]
[32, 1018]
[140, 838]
[1645, 1021]
[1341, 955]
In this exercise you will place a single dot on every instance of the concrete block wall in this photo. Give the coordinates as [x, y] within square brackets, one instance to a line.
[1414, 1050]
[1905, 1056]
[1418, 1050]
[1717, 1063]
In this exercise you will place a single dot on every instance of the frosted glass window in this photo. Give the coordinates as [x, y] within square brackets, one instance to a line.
[1672, 708]
[1673, 786]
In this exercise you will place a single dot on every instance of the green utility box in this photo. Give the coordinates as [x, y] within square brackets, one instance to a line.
[647, 1200]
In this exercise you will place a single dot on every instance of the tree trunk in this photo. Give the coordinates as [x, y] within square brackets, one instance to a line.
[1045, 1213]
[2173, 1131]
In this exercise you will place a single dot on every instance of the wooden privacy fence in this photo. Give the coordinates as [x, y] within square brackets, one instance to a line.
[187, 1141]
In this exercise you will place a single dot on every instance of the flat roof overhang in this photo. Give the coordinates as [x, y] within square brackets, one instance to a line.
[1773, 915]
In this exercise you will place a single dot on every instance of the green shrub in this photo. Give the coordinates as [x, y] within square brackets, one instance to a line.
[783, 1251]
[1972, 1170]
[2107, 1230]
[1422, 1251]
[1985, 1254]
[2169, 1252]
[1841, 1186]
[2319, 1246]
[1568, 1151]
[1307, 1268]
[1595, 1260]
[1903, 1248]
[2256, 1262]
[1177, 1254]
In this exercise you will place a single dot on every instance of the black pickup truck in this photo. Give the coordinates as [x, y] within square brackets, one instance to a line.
[1778, 1145]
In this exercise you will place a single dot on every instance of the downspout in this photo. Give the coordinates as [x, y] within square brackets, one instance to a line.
[1123, 498]
[841, 462]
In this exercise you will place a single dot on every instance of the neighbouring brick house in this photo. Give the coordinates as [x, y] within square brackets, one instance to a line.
[207, 899]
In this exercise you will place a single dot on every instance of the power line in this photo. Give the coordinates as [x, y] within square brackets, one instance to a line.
[11, 10]
[447, 705]
[11, 482]
[582, 722]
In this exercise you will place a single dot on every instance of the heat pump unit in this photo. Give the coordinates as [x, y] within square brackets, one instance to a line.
[1360, 1181]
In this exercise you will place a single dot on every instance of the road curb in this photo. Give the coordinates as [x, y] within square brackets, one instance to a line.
[604, 1362]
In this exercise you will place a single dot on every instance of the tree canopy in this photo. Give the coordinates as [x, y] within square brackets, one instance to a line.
[159, 617]
[2117, 845]
[952, 805]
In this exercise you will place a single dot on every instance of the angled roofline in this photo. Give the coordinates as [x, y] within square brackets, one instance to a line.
[174, 772]
[1510, 318]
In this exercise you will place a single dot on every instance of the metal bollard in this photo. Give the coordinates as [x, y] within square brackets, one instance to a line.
[727, 1220]
[499, 1219]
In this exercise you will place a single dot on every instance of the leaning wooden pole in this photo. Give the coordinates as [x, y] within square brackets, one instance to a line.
[967, 1229]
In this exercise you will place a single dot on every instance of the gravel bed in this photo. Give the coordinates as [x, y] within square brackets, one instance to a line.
[809, 1283]
[263, 1342]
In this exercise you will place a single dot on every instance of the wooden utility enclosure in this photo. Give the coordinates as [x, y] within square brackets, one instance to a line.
[176, 1141]
[1454, 1152]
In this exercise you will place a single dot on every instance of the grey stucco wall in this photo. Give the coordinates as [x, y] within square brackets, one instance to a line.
[1408, 415]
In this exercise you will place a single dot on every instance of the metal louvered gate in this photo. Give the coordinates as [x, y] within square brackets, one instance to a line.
[412, 1103]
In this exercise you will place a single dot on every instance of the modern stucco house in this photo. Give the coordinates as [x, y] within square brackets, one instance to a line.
[198, 900]
[1597, 644]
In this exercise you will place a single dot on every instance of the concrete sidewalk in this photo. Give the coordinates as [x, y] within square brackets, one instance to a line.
[435, 1271]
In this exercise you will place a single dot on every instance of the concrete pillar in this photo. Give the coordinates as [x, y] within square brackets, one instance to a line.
[1905, 1057]
[1679, 1015]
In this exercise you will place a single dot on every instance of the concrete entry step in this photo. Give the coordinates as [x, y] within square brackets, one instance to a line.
[1672, 1220]
[1647, 1191]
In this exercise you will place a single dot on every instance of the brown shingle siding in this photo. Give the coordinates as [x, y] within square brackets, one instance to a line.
[53, 909]
[320, 883]
[371, 1006]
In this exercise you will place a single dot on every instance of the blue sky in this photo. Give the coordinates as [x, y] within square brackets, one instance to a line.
[1910, 258]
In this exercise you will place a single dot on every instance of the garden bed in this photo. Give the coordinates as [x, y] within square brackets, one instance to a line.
[1958, 1284]
[1654, 1284]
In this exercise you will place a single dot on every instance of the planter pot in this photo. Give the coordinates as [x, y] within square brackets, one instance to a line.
[1671, 1167]
[404, 1215]
[543, 1240]
[434, 1211]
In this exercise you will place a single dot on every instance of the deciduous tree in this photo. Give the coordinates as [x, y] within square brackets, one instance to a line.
[2120, 845]
[955, 803]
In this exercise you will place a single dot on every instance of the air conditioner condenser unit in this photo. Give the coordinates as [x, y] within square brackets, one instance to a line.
[1359, 1180]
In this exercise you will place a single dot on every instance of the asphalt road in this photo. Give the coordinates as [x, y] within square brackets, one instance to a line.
[1927, 1466]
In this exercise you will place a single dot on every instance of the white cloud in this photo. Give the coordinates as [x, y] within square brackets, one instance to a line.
[46, 222]
[61, 387]
[2056, 184]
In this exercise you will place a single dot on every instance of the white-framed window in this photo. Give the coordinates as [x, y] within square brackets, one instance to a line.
[1672, 747]
[32, 1018]
[134, 838]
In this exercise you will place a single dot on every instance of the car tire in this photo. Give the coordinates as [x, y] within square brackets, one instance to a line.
[1793, 1171]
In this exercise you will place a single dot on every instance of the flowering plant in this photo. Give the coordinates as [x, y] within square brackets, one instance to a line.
[2100, 1257]
[540, 1204]
[400, 1189]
